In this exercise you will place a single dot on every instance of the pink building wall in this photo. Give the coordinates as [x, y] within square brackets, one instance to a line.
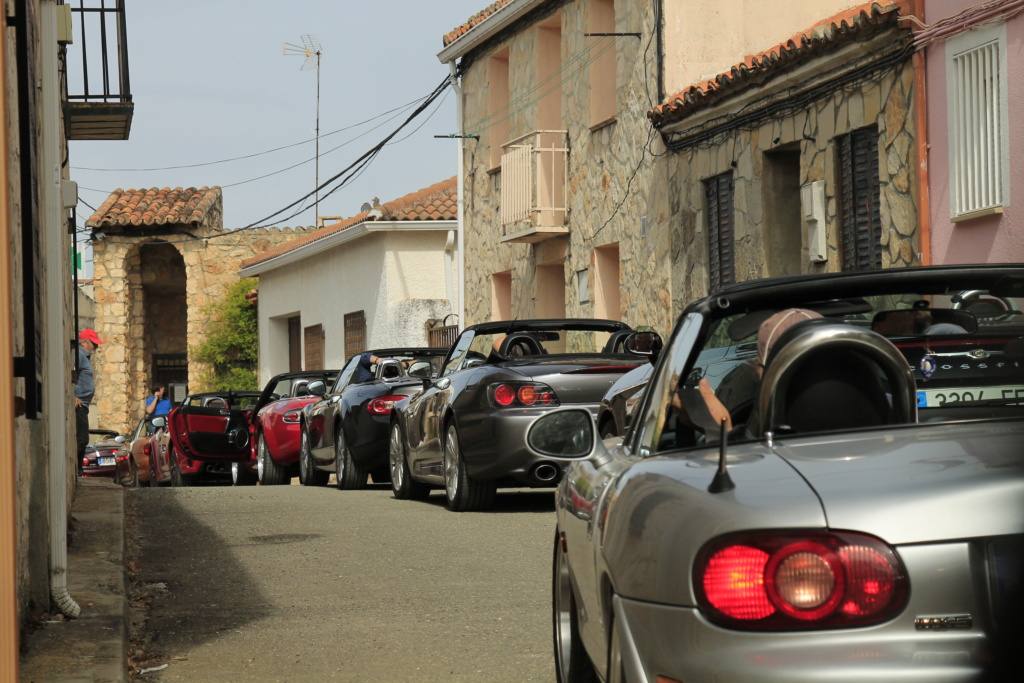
[989, 239]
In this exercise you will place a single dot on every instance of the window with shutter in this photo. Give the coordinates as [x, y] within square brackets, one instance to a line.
[355, 333]
[718, 193]
[294, 344]
[314, 338]
[860, 222]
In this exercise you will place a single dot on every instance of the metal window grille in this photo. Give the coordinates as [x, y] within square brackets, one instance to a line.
[314, 338]
[977, 165]
[718, 193]
[860, 221]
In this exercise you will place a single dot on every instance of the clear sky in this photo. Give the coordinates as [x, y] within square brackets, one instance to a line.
[210, 82]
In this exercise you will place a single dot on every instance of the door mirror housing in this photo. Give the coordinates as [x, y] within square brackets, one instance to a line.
[317, 388]
[644, 344]
[159, 422]
[568, 434]
[421, 369]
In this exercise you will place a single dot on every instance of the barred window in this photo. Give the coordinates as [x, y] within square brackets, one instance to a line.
[718, 193]
[860, 221]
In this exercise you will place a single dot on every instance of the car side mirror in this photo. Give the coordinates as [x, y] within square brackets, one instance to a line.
[422, 369]
[644, 344]
[159, 422]
[568, 434]
[317, 388]
[118, 439]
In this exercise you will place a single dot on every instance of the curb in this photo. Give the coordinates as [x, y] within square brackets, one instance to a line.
[94, 646]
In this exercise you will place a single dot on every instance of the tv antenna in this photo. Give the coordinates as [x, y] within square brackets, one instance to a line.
[311, 50]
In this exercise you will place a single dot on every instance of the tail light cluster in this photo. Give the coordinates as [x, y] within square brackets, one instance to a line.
[382, 405]
[292, 416]
[793, 580]
[521, 395]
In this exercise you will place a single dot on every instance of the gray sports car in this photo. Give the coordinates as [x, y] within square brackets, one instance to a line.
[466, 430]
[845, 505]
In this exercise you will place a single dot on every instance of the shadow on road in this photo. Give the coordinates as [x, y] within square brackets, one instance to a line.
[515, 500]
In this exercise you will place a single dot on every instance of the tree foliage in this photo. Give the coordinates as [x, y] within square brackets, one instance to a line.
[231, 348]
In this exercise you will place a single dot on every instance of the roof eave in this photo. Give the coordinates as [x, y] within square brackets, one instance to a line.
[486, 29]
[342, 237]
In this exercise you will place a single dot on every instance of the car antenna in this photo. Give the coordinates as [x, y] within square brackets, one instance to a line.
[722, 481]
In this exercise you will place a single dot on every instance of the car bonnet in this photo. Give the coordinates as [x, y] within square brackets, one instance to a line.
[917, 484]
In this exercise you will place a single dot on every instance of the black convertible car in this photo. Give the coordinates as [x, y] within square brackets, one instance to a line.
[346, 430]
[465, 431]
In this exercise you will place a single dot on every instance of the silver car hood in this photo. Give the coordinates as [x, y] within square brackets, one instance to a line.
[918, 484]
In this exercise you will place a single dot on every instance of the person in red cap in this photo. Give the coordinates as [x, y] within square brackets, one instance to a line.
[85, 388]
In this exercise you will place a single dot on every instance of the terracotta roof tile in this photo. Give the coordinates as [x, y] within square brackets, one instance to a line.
[155, 206]
[477, 18]
[439, 202]
[847, 25]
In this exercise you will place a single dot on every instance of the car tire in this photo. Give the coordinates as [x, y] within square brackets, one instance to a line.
[463, 493]
[178, 478]
[268, 471]
[242, 475]
[133, 474]
[153, 481]
[308, 474]
[349, 475]
[572, 664]
[403, 486]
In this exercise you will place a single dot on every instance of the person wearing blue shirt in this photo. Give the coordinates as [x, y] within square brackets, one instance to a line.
[158, 403]
[85, 389]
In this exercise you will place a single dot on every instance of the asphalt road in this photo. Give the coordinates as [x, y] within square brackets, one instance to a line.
[291, 583]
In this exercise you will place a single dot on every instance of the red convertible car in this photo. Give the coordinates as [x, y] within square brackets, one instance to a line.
[100, 459]
[275, 428]
[208, 432]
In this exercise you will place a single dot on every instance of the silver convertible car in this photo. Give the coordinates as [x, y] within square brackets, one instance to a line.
[847, 504]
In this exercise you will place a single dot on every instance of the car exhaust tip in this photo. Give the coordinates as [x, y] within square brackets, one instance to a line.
[546, 472]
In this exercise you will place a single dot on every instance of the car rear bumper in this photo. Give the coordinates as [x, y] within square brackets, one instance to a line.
[678, 643]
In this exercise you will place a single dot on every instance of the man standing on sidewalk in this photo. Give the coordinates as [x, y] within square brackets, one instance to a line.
[85, 387]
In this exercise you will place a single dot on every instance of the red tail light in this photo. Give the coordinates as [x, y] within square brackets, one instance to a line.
[518, 395]
[791, 580]
[382, 405]
[292, 416]
[147, 448]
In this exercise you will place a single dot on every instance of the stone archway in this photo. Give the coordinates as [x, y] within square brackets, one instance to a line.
[164, 341]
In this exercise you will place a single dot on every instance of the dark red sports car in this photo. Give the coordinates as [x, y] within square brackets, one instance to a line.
[100, 459]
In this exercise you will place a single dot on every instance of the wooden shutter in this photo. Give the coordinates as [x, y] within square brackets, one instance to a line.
[355, 333]
[860, 220]
[314, 345]
[718, 193]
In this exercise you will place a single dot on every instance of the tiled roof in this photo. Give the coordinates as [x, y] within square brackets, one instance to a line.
[155, 206]
[439, 202]
[477, 18]
[848, 25]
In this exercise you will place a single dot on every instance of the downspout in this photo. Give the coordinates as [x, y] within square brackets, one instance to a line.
[55, 256]
[924, 215]
[460, 194]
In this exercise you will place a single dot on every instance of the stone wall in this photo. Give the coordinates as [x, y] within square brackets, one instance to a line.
[151, 297]
[884, 100]
[617, 192]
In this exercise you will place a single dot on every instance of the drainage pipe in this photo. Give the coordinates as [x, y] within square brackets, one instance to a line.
[55, 256]
[460, 193]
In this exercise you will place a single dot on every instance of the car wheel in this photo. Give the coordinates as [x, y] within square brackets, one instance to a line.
[572, 665]
[403, 486]
[308, 474]
[268, 471]
[348, 473]
[464, 493]
[241, 475]
[178, 478]
[153, 482]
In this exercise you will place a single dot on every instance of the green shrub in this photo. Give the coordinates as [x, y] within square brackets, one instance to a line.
[230, 351]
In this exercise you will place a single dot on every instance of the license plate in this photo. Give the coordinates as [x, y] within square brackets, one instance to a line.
[934, 398]
[106, 461]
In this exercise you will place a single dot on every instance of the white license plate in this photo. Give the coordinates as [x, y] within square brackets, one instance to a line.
[106, 461]
[934, 398]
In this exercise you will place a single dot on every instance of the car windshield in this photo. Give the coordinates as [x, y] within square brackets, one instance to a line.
[965, 352]
[475, 346]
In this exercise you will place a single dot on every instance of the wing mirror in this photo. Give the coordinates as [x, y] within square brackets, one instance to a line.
[644, 344]
[317, 388]
[421, 369]
[119, 439]
[567, 434]
[159, 422]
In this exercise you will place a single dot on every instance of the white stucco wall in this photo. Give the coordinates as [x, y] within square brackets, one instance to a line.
[396, 277]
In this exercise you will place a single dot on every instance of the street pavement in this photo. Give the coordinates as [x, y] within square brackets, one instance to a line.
[293, 583]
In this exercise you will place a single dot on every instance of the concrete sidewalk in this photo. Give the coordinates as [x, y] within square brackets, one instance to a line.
[94, 646]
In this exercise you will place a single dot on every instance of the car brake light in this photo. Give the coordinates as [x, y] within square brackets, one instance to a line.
[792, 580]
[147, 449]
[292, 416]
[382, 405]
[513, 395]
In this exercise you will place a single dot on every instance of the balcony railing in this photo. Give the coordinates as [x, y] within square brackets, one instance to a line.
[99, 100]
[533, 186]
